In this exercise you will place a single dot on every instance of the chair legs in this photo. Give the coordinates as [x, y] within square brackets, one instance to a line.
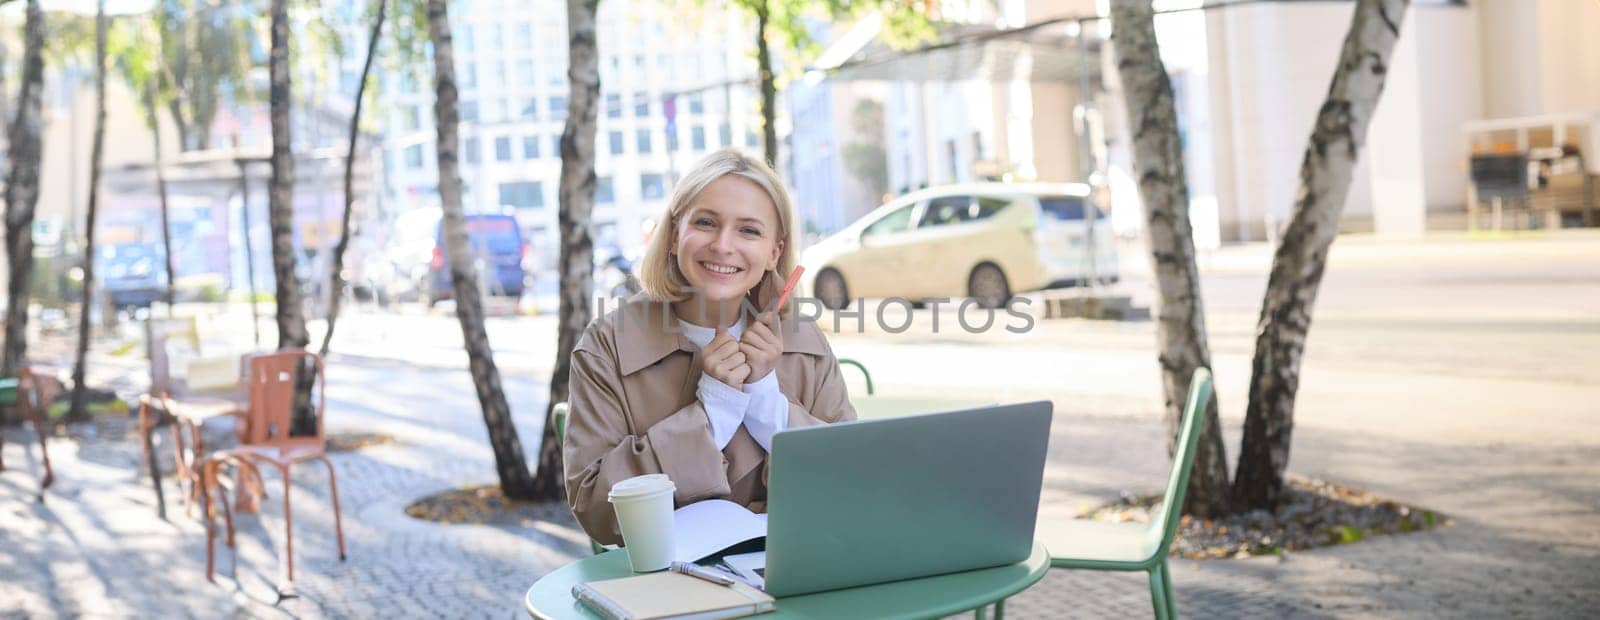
[333, 491]
[1161, 592]
[1172, 600]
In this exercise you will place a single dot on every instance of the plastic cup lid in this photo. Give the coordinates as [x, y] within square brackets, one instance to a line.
[639, 486]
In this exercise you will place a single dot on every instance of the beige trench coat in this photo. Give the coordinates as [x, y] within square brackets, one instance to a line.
[634, 411]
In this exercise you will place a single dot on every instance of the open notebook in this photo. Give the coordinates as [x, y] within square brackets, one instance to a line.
[663, 595]
[705, 528]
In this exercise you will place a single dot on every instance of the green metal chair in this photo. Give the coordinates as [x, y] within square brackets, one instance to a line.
[560, 413]
[845, 361]
[1097, 545]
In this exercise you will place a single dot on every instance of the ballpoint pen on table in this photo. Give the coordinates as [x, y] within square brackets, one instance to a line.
[698, 572]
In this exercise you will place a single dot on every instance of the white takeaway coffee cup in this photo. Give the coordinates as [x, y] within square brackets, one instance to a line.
[644, 512]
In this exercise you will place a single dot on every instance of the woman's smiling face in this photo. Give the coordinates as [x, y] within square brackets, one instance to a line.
[727, 239]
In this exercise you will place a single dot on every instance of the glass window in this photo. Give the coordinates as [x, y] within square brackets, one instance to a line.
[558, 107]
[522, 195]
[414, 156]
[697, 104]
[652, 186]
[896, 221]
[697, 138]
[642, 137]
[526, 73]
[491, 36]
[463, 38]
[1062, 207]
[410, 118]
[530, 147]
[531, 111]
[502, 148]
[522, 35]
[613, 106]
[672, 138]
[467, 75]
[724, 135]
[616, 143]
[555, 145]
[602, 191]
[987, 206]
[945, 210]
[641, 105]
[469, 148]
[751, 140]
[469, 111]
[493, 111]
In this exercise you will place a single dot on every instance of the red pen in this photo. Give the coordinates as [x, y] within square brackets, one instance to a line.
[788, 287]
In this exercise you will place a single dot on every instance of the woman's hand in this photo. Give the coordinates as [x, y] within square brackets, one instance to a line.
[723, 360]
[762, 345]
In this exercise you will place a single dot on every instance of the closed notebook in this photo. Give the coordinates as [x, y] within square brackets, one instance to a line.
[670, 595]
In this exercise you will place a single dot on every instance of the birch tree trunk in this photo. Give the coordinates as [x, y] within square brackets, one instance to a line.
[80, 393]
[151, 111]
[1180, 325]
[22, 190]
[280, 195]
[516, 481]
[336, 282]
[769, 88]
[577, 248]
[1325, 173]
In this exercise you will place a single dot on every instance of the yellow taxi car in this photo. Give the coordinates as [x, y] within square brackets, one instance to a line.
[985, 241]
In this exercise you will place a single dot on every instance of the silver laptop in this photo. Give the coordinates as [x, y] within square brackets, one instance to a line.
[889, 499]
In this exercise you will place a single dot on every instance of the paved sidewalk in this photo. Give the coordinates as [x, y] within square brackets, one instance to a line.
[1525, 541]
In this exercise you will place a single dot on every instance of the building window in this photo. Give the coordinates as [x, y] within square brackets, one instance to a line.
[463, 38]
[697, 138]
[558, 107]
[526, 73]
[531, 111]
[751, 140]
[697, 104]
[502, 148]
[555, 145]
[602, 191]
[522, 36]
[652, 186]
[724, 135]
[613, 106]
[467, 75]
[616, 143]
[522, 195]
[672, 138]
[414, 156]
[642, 137]
[530, 147]
[469, 111]
[491, 36]
[641, 105]
[469, 148]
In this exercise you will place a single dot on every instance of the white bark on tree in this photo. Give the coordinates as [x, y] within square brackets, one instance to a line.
[577, 247]
[516, 481]
[1297, 267]
[1180, 315]
[22, 189]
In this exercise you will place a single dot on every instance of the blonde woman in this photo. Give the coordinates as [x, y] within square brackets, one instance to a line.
[678, 380]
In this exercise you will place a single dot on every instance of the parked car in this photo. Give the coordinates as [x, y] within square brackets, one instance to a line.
[986, 241]
[498, 249]
[131, 274]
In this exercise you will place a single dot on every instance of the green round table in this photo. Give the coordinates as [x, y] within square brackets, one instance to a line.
[927, 597]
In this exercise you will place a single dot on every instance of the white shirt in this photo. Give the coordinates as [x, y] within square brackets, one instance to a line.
[761, 406]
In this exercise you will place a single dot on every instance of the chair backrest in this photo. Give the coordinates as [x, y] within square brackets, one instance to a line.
[271, 394]
[1165, 524]
[559, 412]
[845, 361]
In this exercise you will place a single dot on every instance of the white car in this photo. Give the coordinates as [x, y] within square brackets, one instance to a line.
[986, 241]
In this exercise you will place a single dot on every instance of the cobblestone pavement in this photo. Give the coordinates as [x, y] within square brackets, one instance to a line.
[1524, 538]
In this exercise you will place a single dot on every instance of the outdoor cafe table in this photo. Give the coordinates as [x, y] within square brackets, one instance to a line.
[927, 597]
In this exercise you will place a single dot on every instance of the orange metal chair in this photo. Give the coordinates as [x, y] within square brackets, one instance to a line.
[24, 392]
[267, 442]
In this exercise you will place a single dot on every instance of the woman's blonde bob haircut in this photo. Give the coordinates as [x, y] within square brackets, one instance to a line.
[659, 274]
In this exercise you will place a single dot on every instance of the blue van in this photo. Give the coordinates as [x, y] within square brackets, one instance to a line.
[497, 242]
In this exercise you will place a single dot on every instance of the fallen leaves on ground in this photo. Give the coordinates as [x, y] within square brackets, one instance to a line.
[1314, 513]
